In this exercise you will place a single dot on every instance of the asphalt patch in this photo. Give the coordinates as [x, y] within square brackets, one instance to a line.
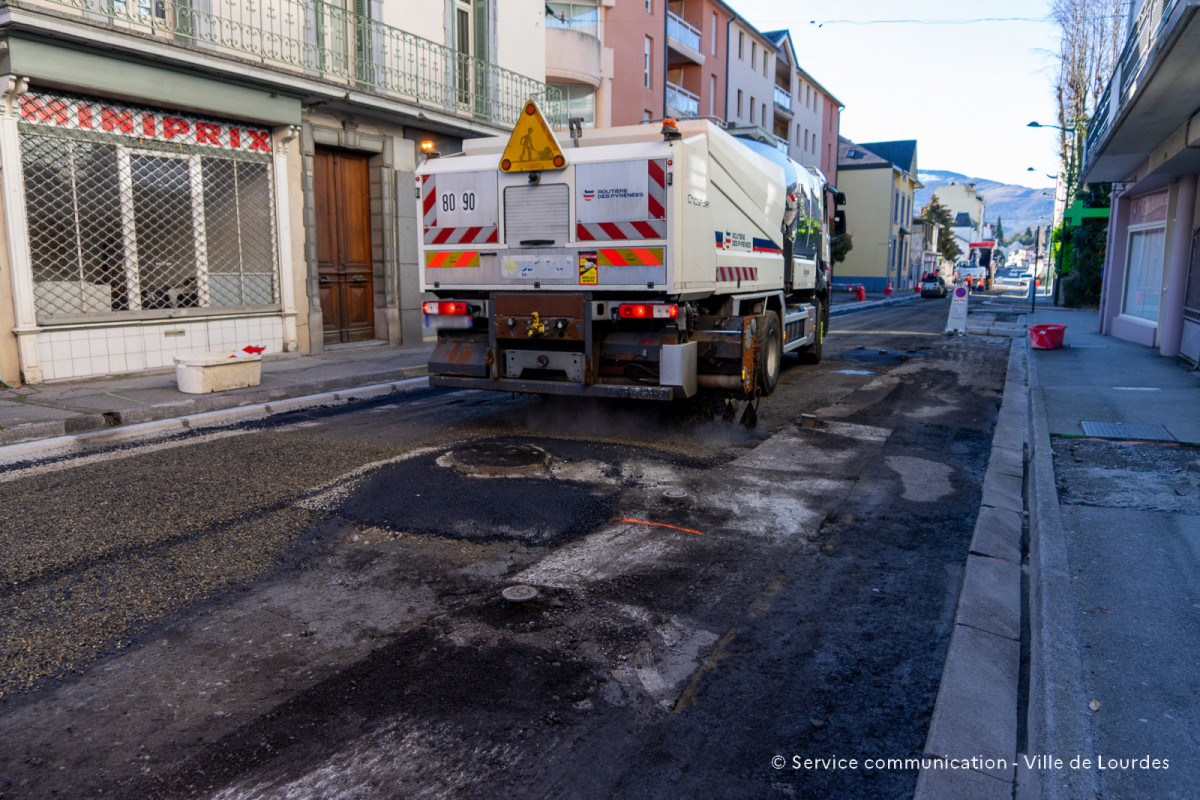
[420, 496]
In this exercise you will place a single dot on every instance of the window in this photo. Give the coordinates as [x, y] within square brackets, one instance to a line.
[739, 104]
[713, 35]
[764, 63]
[751, 109]
[128, 217]
[649, 6]
[646, 65]
[646, 115]
[753, 54]
[577, 16]
[1147, 242]
[806, 138]
[741, 45]
[580, 101]
[712, 95]
[763, 117]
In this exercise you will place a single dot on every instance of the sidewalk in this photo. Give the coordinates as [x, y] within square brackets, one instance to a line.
[49, 415]
[1083, 644]
[1114, 566]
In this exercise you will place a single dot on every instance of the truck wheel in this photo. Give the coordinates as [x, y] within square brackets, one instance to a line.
[770, 353]
[812, 353]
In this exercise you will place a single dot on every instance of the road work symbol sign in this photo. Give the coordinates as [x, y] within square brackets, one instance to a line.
[532, 146]
[957, 322]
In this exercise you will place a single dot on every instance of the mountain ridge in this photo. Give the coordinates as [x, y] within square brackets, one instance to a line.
[1018, 207]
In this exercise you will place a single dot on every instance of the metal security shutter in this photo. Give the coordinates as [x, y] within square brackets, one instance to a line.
[537, 213]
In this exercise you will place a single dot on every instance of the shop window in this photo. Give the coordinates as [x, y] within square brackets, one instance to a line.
[132, 212]
[1143, 277]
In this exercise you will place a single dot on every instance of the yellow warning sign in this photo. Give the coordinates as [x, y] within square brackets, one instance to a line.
[587, 268]
[532, 146]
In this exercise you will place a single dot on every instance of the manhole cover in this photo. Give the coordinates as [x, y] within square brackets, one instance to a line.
[498, 458]
[519, 593]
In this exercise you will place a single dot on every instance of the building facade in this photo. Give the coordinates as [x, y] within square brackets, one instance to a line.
[182, 178]
[1144, 137]
[879, 180]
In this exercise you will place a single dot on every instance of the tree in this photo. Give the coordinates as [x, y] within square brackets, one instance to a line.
[839, 246]
[938, 214]
[999, 230]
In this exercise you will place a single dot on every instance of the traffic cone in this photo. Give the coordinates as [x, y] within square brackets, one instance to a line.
[860, 293]
[887, 290]
[916, 288]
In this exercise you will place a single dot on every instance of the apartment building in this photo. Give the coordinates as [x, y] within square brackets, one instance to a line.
[806, 115]
[187, 177]
[578, 62]
[1141, 138]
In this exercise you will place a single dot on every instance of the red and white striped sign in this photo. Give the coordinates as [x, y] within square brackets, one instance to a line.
[654, 223]
[139, 123]
[461, 234]
[737, 274]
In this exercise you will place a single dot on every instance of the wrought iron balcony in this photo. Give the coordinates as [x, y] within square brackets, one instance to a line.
[328, 42]
[1149, 30]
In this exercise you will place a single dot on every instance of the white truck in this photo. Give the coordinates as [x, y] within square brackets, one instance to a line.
[637, 263]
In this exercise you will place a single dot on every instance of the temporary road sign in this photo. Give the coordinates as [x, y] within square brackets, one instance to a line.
[532, 146]
[957, 321]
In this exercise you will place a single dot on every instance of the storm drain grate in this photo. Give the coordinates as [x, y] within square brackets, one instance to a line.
[1127, 430]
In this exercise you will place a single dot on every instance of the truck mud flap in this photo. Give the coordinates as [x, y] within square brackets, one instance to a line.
[468, 357]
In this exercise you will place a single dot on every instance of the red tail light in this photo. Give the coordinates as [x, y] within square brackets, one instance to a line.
[648, 311]
[445, 307]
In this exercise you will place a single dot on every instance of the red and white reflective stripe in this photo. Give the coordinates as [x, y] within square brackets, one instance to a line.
[601, 231]
[737, 273]
[656, 189]
[429, 201]
[477, 235]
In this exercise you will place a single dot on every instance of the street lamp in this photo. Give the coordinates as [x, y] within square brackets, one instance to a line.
[1076, 135]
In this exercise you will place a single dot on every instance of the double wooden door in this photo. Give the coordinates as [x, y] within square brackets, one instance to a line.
[343, 210]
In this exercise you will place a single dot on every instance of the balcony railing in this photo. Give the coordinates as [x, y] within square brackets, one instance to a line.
[783, 98]
[1147, 31]
[683, 32]
[682, 102]
[328, 42]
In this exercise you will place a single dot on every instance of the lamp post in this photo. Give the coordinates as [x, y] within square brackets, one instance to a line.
[1070, 180]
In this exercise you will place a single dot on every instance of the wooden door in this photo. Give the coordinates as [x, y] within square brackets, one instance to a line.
[343, 217]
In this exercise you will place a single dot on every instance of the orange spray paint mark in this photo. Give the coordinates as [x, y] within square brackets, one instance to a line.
[657, 524]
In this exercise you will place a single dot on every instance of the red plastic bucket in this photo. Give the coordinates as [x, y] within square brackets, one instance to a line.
[1046, 337]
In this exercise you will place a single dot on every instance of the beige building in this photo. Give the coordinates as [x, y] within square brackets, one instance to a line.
[878, 179]
[184, 178]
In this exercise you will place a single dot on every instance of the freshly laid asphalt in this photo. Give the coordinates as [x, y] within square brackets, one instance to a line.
[1115, 686]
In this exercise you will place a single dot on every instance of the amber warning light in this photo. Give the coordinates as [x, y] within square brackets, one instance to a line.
[532, 145]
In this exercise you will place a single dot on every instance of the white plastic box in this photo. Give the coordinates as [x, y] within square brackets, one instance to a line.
[201, 373]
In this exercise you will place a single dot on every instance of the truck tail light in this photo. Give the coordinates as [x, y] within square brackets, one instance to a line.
[453, 308]
[648, 311]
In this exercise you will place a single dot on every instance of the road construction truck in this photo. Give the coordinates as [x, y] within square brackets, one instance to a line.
[648, 261]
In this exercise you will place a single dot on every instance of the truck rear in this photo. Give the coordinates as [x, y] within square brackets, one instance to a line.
[638, 263]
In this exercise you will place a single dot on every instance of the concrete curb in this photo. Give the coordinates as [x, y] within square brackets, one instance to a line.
[223, 416]
[975, 715]
[842, 309]
[1057, 715]
[106, 421]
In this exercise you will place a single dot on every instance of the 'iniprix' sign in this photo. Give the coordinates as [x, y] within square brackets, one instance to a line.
[62, 112]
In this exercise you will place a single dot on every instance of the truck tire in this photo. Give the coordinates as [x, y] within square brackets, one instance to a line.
[812, 353]
[770, 353]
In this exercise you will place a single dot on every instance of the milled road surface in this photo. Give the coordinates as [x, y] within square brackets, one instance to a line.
[311, 607]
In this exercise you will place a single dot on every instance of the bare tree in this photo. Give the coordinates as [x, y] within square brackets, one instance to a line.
[1090, 41]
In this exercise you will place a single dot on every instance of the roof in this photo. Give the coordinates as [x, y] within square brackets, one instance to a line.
[877, 155]
[963, 220]
[902, 153]
[782, 36]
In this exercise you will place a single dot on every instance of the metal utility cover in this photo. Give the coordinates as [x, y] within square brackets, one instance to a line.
[1127, 430]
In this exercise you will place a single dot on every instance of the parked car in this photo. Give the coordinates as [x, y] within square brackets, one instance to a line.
[1024, 278]
[934, 287]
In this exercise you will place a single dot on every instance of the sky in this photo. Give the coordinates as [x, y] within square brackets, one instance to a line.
[965, 91]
